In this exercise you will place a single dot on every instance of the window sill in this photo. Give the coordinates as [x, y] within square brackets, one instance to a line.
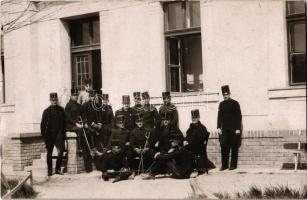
[7, 108]
[189, 98]
[288, 92]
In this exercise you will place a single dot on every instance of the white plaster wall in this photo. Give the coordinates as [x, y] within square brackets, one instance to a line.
[132, 51]
[243, 45]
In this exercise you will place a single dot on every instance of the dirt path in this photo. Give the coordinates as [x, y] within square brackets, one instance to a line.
[92, 186]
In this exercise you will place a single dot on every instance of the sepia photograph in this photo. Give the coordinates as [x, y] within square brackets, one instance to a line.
[153, 99]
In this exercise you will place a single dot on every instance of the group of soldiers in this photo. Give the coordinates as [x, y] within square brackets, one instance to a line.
[139, 138]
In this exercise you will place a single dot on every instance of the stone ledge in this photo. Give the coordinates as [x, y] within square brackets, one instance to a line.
[288, 92]
[26, 135]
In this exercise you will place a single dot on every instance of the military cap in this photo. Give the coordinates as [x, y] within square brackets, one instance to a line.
[87, 81]
[126, 99]
[225, 89]
[53, 96]
[145, 95]
[99, 92]
[74, 90]
[195, 113]
[91, 93]
[166, 95]
[137, 95]
[105, 96]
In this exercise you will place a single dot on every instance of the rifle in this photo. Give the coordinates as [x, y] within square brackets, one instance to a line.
[88, 145]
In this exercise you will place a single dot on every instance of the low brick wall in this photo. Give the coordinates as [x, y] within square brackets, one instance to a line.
[261, 148]
[258, 149]
[20, 150]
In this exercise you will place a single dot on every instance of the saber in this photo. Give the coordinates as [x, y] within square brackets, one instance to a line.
[88, 145]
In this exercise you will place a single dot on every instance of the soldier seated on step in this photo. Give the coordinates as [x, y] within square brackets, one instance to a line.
[178, 161]
[113, 163]
[141, 145]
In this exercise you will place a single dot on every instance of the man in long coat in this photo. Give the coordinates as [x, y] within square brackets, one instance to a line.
[53, 132]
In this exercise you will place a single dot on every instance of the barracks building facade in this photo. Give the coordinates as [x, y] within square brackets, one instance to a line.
[190, 48]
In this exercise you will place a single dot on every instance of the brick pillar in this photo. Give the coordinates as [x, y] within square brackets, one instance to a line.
[74, 161]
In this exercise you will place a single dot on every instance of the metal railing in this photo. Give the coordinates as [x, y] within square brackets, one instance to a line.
[10, 193]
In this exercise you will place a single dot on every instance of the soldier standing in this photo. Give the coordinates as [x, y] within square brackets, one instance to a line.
[151, 118]
[89, 119]
[84, 94]
[170, 108]
[73, 112]
[127, 112]
[53, 132]
[137, 102]
[107, 118]
[229, 129]
[197, 139]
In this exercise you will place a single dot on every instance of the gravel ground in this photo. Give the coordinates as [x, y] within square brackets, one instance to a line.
[92, 186]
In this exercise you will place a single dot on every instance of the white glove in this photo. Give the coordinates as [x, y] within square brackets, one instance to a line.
[219, 131]
[79, 125]
[156, 155]
[237, 131]
[185, 143]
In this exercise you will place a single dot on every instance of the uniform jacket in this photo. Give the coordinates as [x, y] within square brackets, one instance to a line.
[138, 108]
[89, 114]
[72, 112]
[118, 137]
[129, 118]
[151, 117]
[197, 134]
[173, 113]
[229, 115]
[53, 126]
[138, 139]
[107, 117]
[165, 135]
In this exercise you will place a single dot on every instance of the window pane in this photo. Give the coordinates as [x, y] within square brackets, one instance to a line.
[299, 68]
[175, 16]
[173, 51]
[194, 14]
[175, 83]
[85, 33]
[192, 64]
[76, 33]
[96, 32]
[298, 37]
[296, 7]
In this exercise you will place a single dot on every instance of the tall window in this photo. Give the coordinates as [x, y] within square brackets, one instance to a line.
[2, 83]
[296, 24]
[85, 47]
[183, 46]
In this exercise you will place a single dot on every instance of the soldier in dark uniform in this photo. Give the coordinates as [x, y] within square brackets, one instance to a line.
[167, 133]
[73, 112]
[107, 118]
[170, 108]
[197, 138]
[178, 160]
[137, 102]
[89, 119]
[151, 118]
[113, 162]
[128, 113]
[53, 132]
[229, 129]
[140, 144]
